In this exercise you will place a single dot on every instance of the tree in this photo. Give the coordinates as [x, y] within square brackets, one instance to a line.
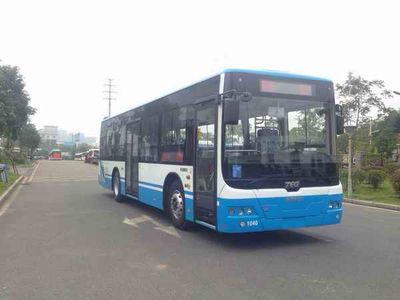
[310, 126]
[83, 148]
[14, 103]
[29, 138]
[14, 108]
[360, 96]
[385, 141]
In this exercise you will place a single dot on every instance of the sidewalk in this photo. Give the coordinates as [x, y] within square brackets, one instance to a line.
[372, 204]
[23, 173]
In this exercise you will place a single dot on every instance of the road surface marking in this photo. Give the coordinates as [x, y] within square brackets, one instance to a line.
[157, 225]
[169, 230]
[24, 180]
[135, 221]
[161, 267]
[34, 172]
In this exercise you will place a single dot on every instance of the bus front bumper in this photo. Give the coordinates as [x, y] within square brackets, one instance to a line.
[252, 215]
[256, 224]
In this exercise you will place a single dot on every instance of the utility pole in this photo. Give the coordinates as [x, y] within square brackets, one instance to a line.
[109, 93]
[350, 130]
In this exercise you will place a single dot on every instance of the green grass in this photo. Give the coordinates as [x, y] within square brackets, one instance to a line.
[11, 179]
[26, 164]
[383, 194]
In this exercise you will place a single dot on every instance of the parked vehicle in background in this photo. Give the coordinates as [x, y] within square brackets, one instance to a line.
[242, 151]
[92, 156]
[80, 156]
[55, 154]
[96, 156]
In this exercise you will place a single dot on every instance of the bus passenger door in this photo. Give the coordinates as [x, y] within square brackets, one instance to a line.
[205, 162]
[132, 158]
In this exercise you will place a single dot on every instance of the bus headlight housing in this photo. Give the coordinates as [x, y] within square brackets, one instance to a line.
[241, 211]
[334, 205]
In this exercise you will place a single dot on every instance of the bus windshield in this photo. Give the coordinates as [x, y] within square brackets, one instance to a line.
[280, 140]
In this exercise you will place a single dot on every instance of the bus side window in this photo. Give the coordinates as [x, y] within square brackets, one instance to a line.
[175, 137]
[149, 139]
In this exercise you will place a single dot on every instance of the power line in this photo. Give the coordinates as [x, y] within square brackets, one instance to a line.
[109, 93]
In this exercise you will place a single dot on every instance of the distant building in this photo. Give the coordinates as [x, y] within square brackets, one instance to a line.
[54, 136]
[80, 138]
[49, 134]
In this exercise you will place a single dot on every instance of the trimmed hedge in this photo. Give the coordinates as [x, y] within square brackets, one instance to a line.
[395, 180]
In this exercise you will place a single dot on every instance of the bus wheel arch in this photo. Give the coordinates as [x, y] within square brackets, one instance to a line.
[116, 185]
[173, 189]
[171, 177]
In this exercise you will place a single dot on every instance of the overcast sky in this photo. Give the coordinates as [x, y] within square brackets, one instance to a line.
[67, 49]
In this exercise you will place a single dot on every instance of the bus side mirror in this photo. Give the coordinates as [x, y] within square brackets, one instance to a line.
[339, 119]
[231, 111]
[339, 125]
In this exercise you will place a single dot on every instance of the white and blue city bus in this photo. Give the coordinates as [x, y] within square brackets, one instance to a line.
[242, 151]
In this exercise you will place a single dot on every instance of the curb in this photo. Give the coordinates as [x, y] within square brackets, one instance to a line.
[372, 204]
[9, 190]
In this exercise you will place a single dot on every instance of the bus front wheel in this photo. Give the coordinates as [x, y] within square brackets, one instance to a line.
[176, 206]
[116, 187]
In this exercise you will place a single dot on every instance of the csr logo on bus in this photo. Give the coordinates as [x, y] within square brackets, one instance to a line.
[292, 185]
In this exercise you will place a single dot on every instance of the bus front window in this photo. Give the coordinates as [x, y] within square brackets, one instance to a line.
[280, 140]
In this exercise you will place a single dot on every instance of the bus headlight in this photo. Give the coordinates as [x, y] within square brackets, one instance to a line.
[240, 212]
[231, 211]
[249, 211]
[334, 205]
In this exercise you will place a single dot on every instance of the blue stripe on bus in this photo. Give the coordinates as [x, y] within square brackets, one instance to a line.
[151, 197]
[161, 187]
[151, 184]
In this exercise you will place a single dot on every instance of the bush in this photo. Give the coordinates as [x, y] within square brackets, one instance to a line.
[395, 180]
[358, 177]
[376, 178]
[391, 168]
[343, 175]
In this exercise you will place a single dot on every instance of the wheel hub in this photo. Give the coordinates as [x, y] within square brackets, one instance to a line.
[116, 187]
[176, 204]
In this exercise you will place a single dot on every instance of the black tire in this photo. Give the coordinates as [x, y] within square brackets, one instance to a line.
[116, 187]
[176, 206]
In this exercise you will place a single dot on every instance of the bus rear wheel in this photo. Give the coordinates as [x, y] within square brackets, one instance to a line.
[116, 187]
[176, 206]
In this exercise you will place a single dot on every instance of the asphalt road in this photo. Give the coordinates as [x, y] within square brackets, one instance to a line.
[63, 237]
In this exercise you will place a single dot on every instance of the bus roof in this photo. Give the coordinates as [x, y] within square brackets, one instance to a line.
[276, 74]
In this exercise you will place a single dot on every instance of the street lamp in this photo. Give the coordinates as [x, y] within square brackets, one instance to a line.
[350, 130]
[371, 132]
